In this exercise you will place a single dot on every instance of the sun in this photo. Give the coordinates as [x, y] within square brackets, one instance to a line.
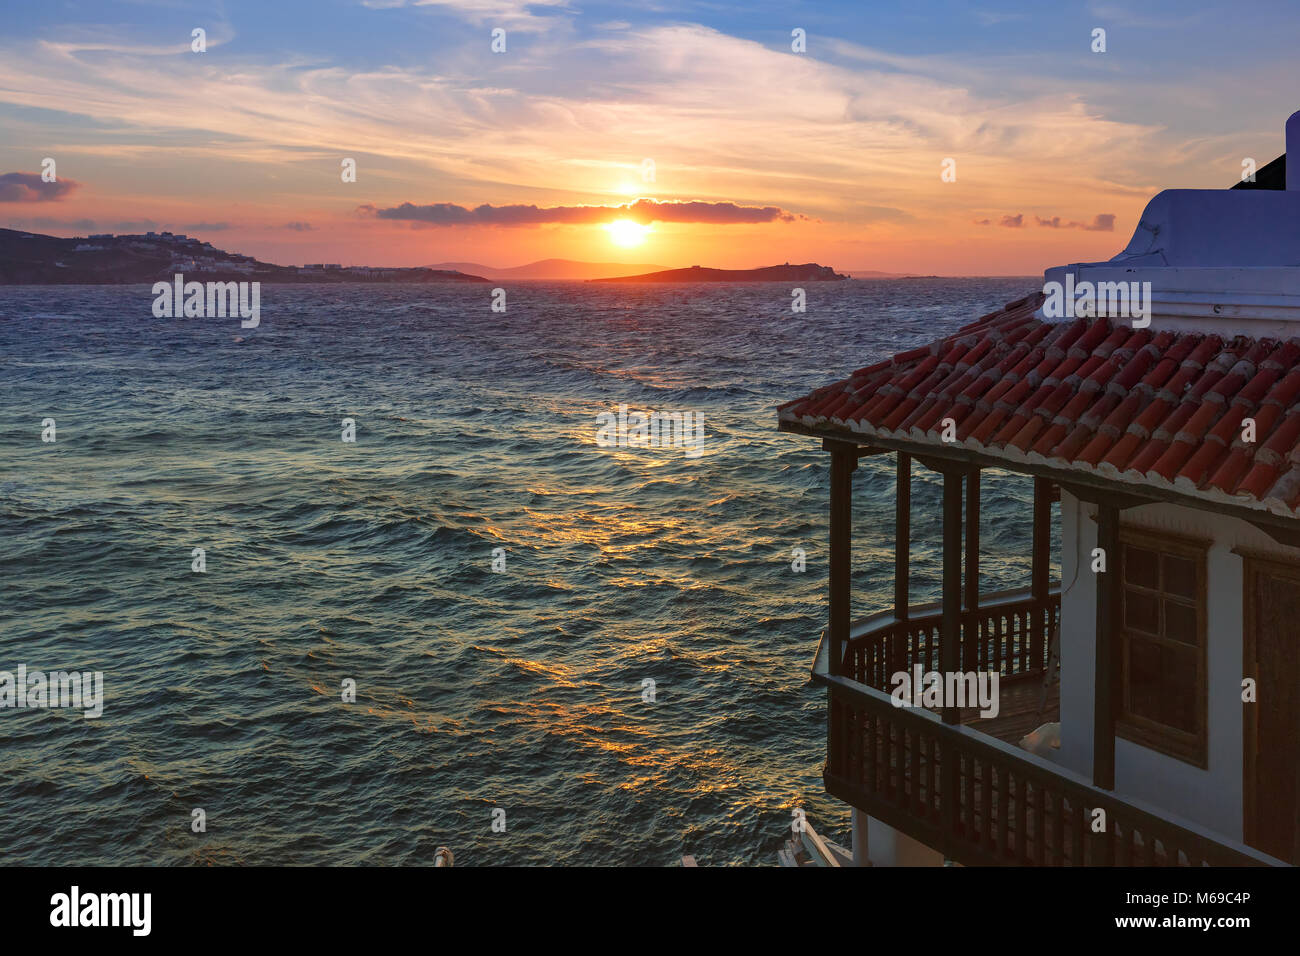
[625, 232]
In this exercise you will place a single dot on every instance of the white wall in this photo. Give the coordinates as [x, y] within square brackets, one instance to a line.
[1211, 797]
[888, 847]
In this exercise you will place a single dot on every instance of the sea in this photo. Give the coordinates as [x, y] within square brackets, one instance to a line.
[474, 625]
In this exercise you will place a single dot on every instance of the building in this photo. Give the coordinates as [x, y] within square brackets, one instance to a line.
[1162, 438]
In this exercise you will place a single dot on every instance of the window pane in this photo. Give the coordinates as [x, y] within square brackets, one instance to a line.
[1180, 623]
[1141, 612]
[1144, 678]
[1179, 689]
[1180, 576]
[1141, 567]
[1162, 684]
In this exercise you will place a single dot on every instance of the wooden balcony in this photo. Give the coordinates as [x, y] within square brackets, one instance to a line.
[969, 791]
[1010, 634]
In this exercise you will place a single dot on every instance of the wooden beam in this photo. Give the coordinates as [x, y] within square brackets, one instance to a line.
[861, 451]
[945, 465]
[1042, 547]
[903, 537]
[1287, 536]
[1098, 496]
[844, 460]
[1075, 480]
[950, 627]
[839, 444]
[1106, 685]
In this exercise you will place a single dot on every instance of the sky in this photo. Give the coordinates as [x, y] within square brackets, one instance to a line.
[948, 138]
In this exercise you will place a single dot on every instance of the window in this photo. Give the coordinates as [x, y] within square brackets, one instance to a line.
[1162, 638]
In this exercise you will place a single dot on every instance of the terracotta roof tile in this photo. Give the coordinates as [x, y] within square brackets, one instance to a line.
[1069, 449]
[1229, 474]
[1128, 404]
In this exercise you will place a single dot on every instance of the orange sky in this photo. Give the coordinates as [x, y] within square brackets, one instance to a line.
[845, 140]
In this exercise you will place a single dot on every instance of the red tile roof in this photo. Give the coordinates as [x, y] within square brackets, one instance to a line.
[1130, 405]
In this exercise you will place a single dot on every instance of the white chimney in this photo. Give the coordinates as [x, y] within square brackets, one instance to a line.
[1225, 261]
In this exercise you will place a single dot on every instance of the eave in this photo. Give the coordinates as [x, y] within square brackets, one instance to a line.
[1084, 484]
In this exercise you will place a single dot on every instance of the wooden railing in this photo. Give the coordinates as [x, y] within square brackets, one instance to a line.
[1009, 634]
[981, 801]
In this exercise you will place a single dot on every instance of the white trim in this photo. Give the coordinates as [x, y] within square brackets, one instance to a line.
[1257, 301]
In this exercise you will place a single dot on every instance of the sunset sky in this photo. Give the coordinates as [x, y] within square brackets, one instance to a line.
[760, 154]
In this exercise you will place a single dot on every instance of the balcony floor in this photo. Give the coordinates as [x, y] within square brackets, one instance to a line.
[1018, 714]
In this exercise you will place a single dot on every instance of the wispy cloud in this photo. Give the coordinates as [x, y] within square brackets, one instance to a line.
[1136, 16]
[519, 14]
[990, 18]
[83, 224]
[72, 40]
[29, 187]
[45, 222]
[685, 96]
[1102, 222]
[642, 210]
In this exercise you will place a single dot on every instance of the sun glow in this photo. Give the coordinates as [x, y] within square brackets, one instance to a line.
[625, 232]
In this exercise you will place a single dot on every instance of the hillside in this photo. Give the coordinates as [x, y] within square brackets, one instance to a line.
[33, 259]
[554, 270]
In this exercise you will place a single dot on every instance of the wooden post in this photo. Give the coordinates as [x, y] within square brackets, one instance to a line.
[1105, 684]
[903, 537]
[950, 628]
[971, 595]
[1042, 539]
[949, 635]
[844, 459]
[1040, 641]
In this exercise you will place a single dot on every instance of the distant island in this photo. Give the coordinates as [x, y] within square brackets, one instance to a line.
[875, 274]
[551, 270]
[808, 272]
[28, 258]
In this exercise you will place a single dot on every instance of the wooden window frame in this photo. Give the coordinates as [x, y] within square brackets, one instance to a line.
[1189, 747]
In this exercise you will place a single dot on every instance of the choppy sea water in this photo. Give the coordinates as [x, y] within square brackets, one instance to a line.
[519, 690]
